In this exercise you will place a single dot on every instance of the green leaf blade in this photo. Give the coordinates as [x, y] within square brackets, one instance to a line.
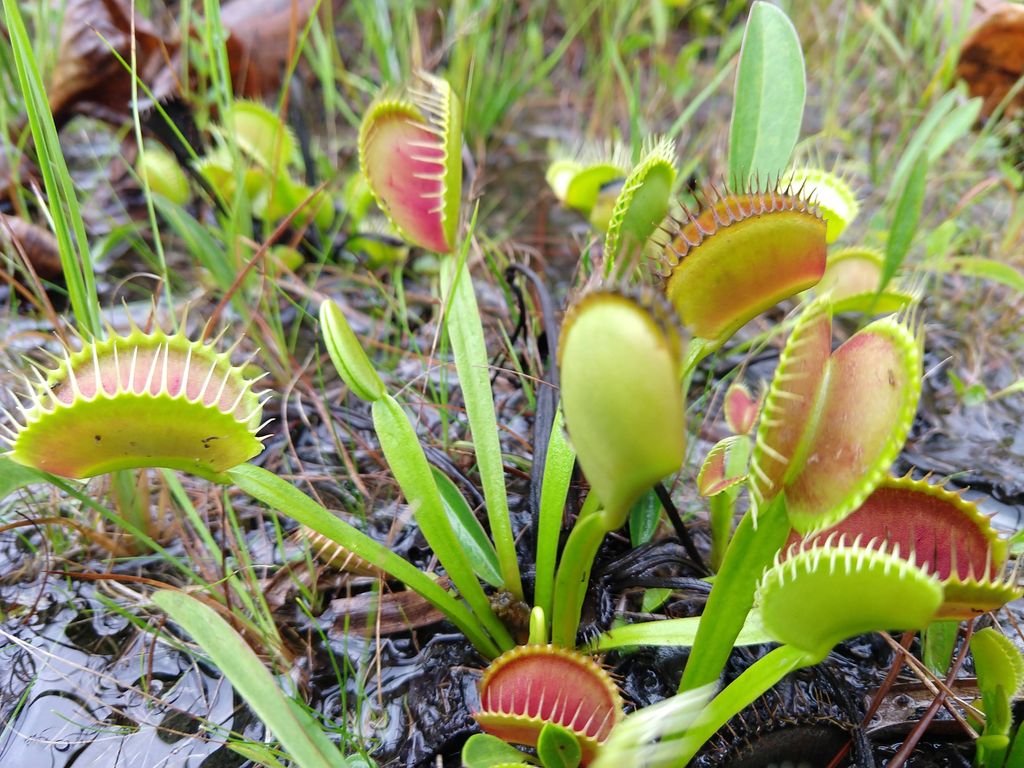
[769, 103]
[280, 495]
[470, 351]
[293, 726]
[905, 220]
[468, 531]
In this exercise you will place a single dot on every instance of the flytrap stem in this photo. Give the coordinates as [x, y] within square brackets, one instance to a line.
[561, 458]
[573, 574]
[741, 692]
[281, 496]
[465, 332]
[751, 550]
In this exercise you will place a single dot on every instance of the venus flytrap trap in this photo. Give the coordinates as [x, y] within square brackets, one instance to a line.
[938, 531]
[627, 431]
[999, 667]
[852, 279]
[256, 155]
[831, 193]
[159, 172]
[410, 146]
[724, 470]
[720, 479]
[747, 252]
[532, 686]
[832, 424]
[140, 400]
[640, 207]
[821, 439]
[577, 177]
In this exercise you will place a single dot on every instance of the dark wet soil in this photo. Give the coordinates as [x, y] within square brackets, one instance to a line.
[82, 687]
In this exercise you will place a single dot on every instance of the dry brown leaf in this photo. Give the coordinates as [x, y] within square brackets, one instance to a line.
[388, 613]
[88, 79]
[262, 34]
[37, 244]
[992, 59]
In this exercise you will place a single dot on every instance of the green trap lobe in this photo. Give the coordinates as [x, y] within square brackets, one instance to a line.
[867, 406]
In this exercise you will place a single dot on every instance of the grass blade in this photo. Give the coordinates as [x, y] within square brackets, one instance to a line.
[68, 227]
[905, 221]
[297, 731]
[984, 268]
[769, 102]
[917, 145]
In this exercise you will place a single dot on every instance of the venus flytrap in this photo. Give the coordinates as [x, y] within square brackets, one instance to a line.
[530, 686]
[640, 207]
[627, 430]
[999, 667]
[721, 476]
[738, 255]
[578, 176]
[410, 146]
[910, 554]
[627, 434]
[831, 426]
[161, 400]
[852, 278]
[831, 193]
[139, 400]
[724, 470]
[255, 156]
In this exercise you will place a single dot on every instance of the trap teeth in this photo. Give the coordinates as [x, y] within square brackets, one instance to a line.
[138, 400]
[531, 685]
[740, 254]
